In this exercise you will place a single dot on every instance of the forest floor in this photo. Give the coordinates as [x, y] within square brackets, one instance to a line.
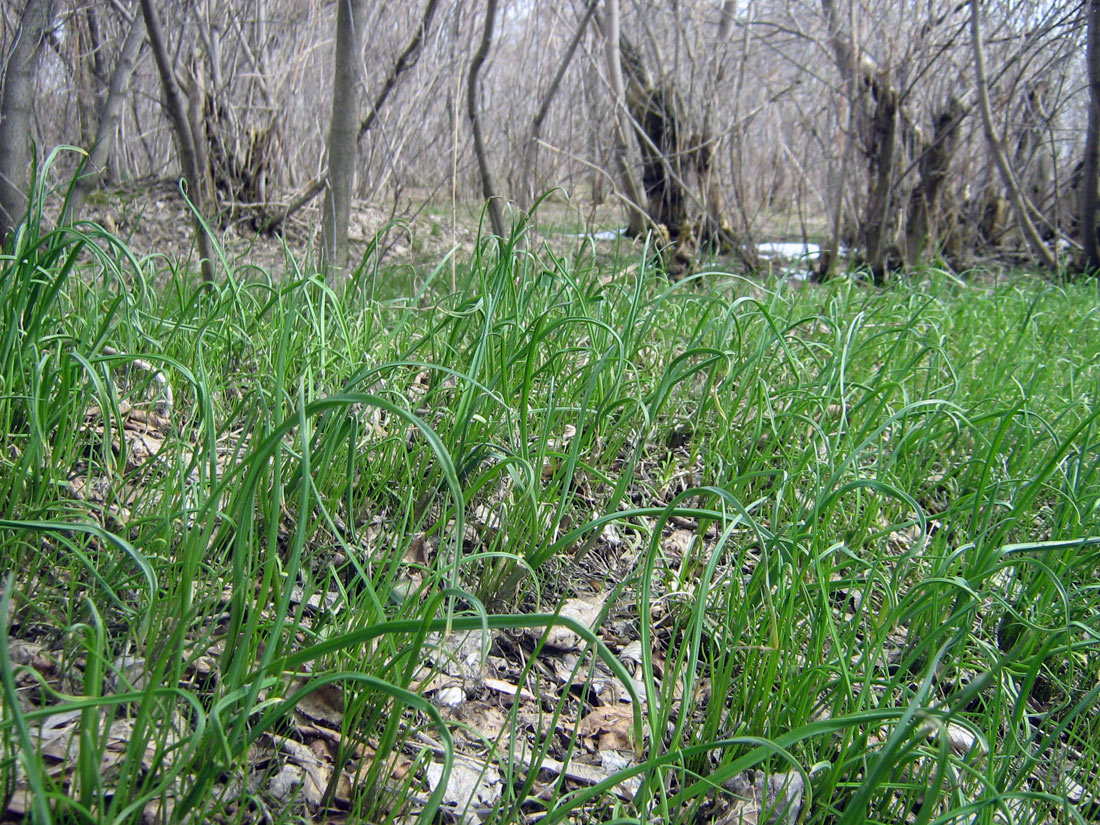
[417, 231]
[521, 536]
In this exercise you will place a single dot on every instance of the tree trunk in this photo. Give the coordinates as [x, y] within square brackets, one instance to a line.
[845, 62]
[16, 109]
[343, 128]
[109, 114]
[488, 189]
[923, 231]
[656, 112]
[205, 124]
[185, 140]
[1090, 243]
[405, 61]
[717, 228]
[877, 223]
[1034, 158]
[95, 43]
[634, 196]
[996, 146]
[877, 116]
[86, 82]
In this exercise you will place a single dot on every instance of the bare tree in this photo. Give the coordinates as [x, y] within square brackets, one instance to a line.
[1021, 208]
[16, 109]
[404, 63]
[635, 198]
[925, 220]
[185, 139]
[849, 118]
[876, 103]
[707, 143]
[488, 188]
[343, 129]
[109, 113]
[657, 114]
[1091, 165]
[530, 157]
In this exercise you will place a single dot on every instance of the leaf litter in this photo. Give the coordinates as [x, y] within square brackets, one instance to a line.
[510, 711]
[492, 692]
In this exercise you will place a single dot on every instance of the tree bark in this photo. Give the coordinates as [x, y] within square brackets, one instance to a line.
[1034, 159]
[530, 157]
[876, 113]
[657, 114]
[205, 124]
[16, 110]
[716, 229]
[923, 230]
[1091, 176]
[488, 189]
[185, 140]
[845, 62]
[109, 114]
[343, 129]
[996, 146]
[634, 197]
[876, 226]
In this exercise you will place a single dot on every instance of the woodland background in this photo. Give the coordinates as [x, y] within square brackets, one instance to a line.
[867, 126]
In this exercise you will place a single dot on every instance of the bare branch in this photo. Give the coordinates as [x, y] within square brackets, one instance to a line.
[996, 146]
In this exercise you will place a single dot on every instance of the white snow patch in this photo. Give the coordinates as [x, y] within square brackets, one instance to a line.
[789, 250]
[602, 235]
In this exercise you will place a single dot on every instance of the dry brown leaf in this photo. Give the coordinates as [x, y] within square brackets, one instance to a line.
[316, 772]
[158, 811]
[417, 551]
[632, 652]
[321, 749]
[610, 728]
[60, 743]
[334, 738]
[487, 720]
[610, 534]
[567, 433]
[573, 770]
[617, 761]
[457, 658]
[325, 704]
[128, 674]
[764, 799]
[585, 611]
[147, 419]
[472, 786]
[485, 518]
[449, 696]
[960, 739]
[677, 543]
[358, 773]
[19, 803]
[57, 736]
[33, 655]
[168, 732]
[284, 784]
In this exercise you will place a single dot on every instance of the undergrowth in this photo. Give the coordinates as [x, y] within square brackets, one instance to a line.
[853, 531]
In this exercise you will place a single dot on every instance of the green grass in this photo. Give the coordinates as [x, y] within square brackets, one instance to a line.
[891, 503]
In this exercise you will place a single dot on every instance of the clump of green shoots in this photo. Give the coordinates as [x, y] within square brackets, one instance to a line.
[889, 588]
